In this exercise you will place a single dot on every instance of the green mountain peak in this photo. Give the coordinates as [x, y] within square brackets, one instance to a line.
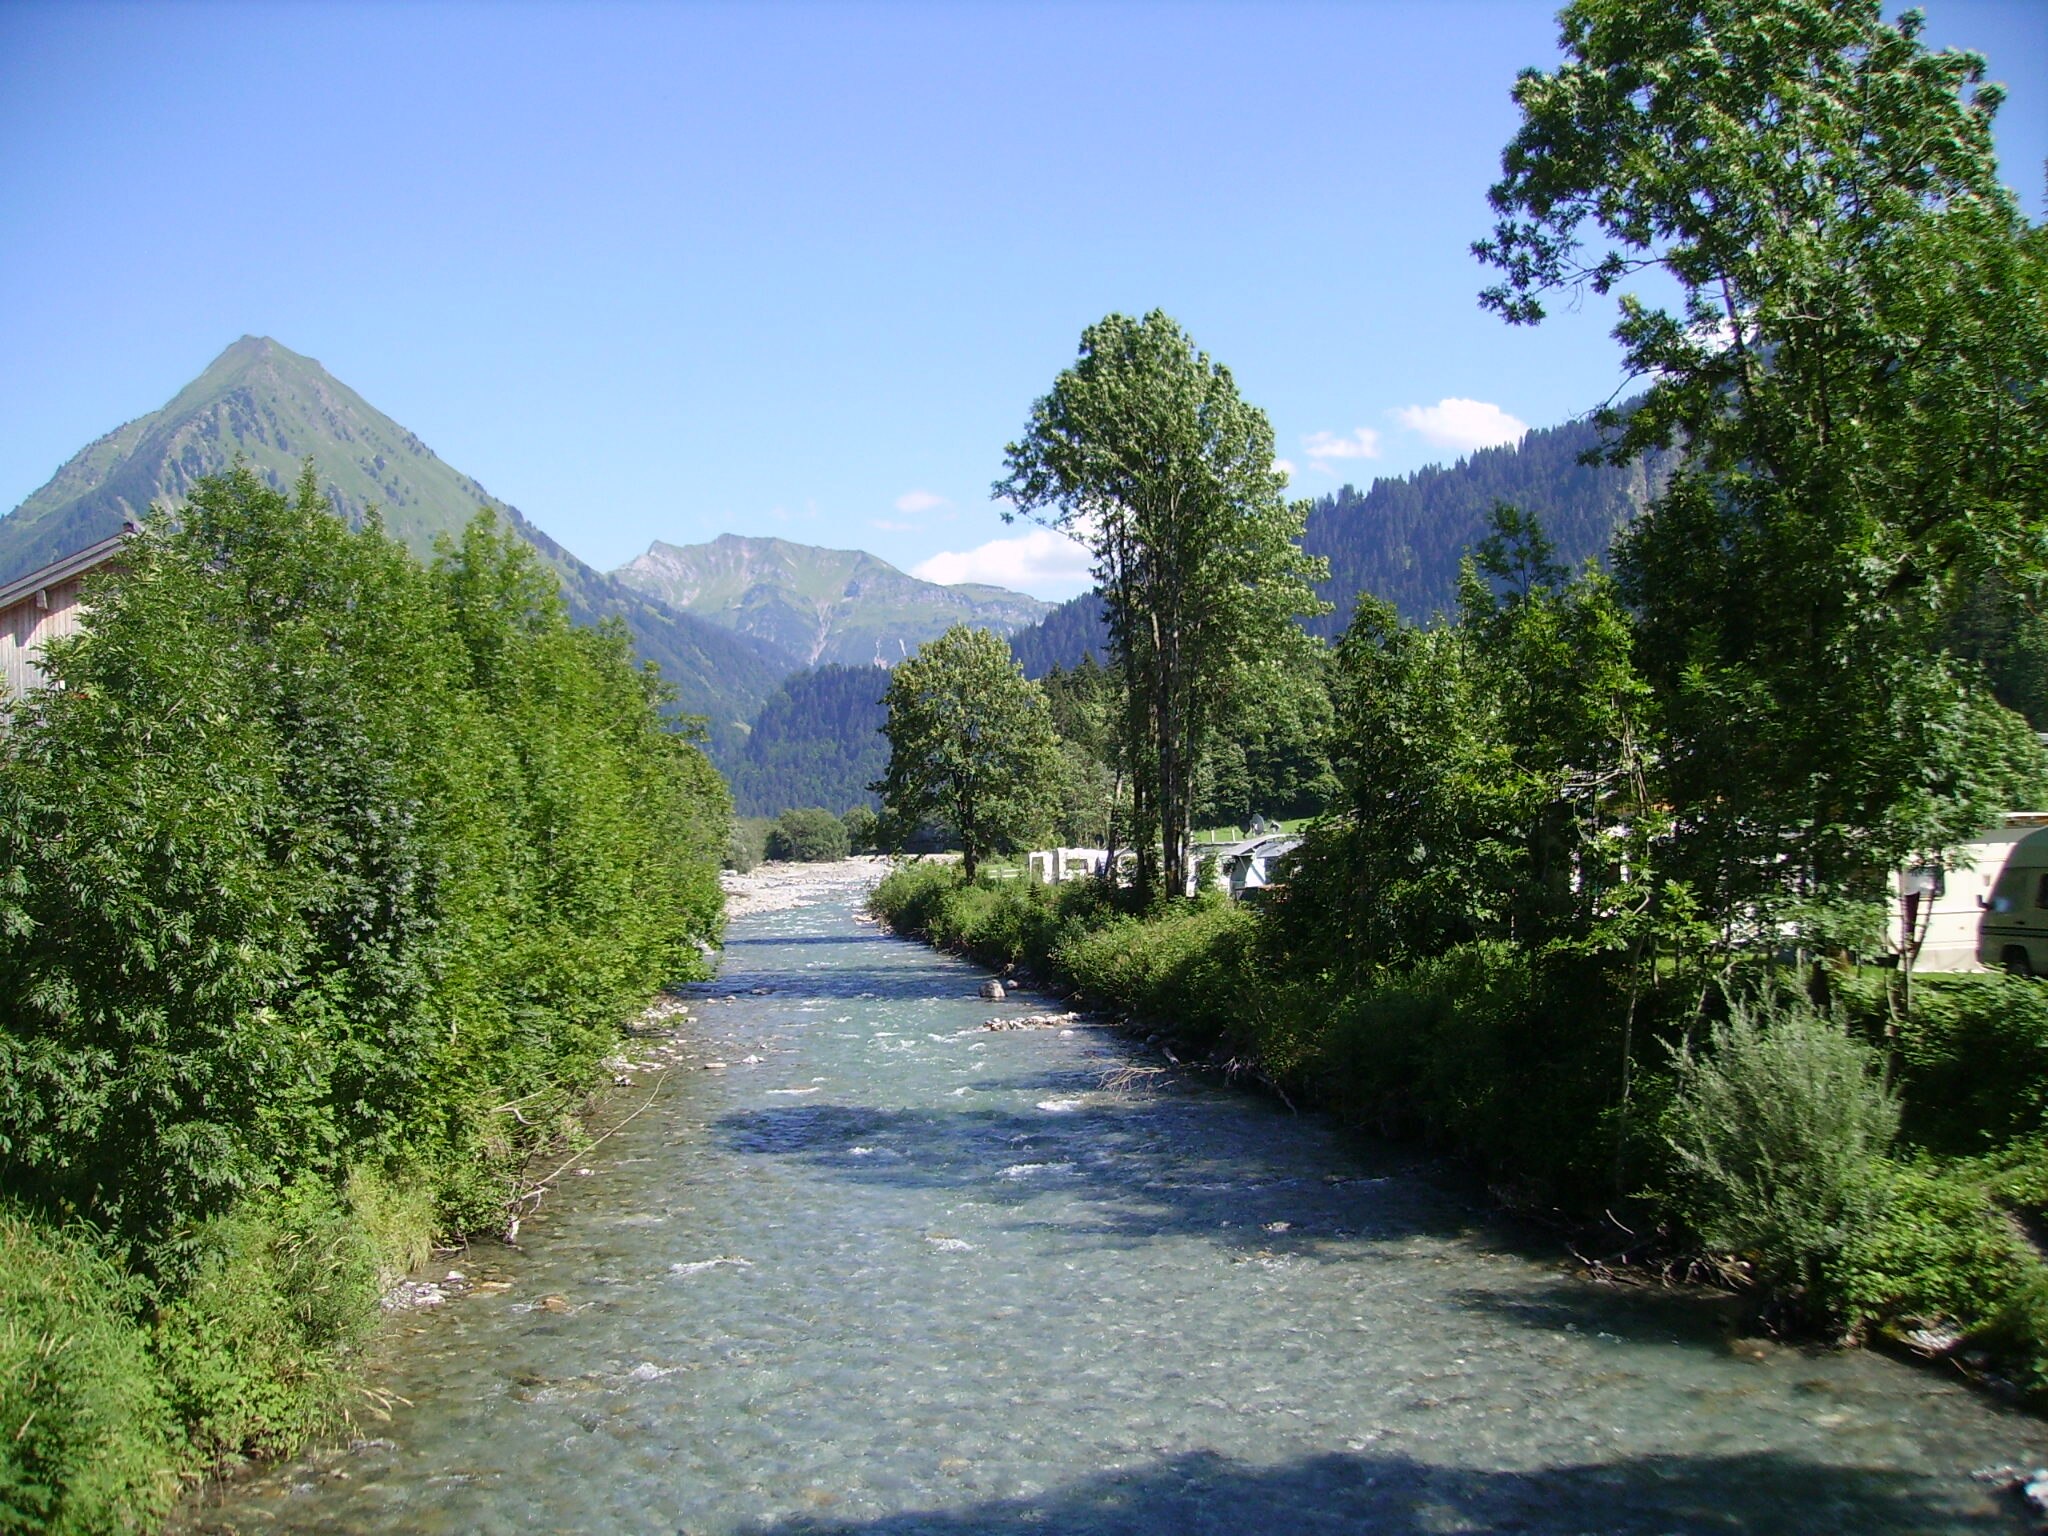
[274, 408]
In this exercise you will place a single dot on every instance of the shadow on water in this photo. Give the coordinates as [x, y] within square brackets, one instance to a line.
[1143, 1177]
[1639, 1315]
[1203, 1492]
[830, 980]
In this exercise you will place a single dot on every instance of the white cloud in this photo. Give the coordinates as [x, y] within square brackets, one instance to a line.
[1284, 467]
[1041, 562]
[921, 501]
[1462, 424]
[1363, 443]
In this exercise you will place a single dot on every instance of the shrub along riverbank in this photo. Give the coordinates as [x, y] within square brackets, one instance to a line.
[326, 880]
[1859, 1171]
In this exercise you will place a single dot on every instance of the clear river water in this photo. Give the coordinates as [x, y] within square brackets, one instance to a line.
[863, 1265]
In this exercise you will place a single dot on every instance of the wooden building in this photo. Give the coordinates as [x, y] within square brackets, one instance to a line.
[43, 605]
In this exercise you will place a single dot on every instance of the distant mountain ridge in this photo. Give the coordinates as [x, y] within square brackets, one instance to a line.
[822, 607]
[273, 408]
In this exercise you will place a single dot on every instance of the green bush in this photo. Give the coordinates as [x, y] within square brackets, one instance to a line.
[809, 836]
[1780, 1128]
[1973, 1061]
[1515, 1064]
[398, 1216]
[88, 1442]
[1000, 922]
[2018, 1332]
[746, 845]
[861, 825]
[1191, 967]
[254, 1348]
[1935, 1250]
[910, 896]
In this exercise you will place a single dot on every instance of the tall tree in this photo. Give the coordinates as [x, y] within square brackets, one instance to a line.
[970, 744]
[1145, 453]
[1857, 368]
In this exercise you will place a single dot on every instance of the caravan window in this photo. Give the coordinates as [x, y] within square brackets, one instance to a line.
[2041, 893]
[1925, 880]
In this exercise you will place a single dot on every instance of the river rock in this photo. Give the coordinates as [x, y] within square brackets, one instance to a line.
[408, 1295]
[2035, 1491]
[992, 990]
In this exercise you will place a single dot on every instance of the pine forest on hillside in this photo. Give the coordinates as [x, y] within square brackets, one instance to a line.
[1402, 540]
[817, 742]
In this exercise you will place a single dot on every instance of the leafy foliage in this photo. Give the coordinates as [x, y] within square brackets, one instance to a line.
[808, 836]
[1144, 451]
[1780, 1127]
[1973, 1061]
[970, 746]
[314, 858]
[87, 1440]
[1855, 366]
[1095, 769]
[254, 1347]
[862, 827]
[1492, 773]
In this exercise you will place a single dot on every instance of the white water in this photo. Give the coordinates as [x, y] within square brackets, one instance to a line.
[887, 1272]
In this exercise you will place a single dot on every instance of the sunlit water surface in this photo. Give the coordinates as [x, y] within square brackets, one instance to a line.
[887, 1271]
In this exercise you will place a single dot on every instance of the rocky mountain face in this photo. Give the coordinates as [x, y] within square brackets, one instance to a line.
[820, 606]
[274, 408]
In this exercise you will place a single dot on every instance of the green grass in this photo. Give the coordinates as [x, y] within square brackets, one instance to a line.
[1239, 834]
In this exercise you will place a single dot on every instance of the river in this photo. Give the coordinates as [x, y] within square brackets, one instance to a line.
[863, 1265]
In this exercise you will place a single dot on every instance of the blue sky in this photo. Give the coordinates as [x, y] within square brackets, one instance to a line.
[670, 270]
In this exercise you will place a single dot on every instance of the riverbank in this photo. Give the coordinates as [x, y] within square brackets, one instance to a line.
[1934, 1257]
[650, 1046]
[777, 887]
